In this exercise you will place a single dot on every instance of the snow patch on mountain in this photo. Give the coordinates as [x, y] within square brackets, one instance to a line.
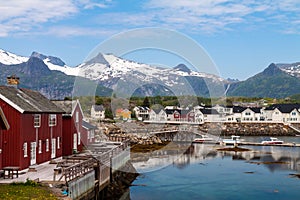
[292, 69]
[73, 71]
[8, 58]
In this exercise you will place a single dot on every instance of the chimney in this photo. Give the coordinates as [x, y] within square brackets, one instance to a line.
[13, 80]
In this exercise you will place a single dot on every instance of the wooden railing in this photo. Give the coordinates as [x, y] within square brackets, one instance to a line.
[103, 161]
[79, 169]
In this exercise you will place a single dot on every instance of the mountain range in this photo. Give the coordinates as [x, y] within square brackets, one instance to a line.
[109, 74]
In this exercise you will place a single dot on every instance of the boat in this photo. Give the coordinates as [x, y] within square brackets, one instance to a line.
[232, 141]
[204, 139]
[272, 140]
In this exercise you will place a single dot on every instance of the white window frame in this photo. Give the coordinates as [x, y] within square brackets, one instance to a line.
[77, 117]
[79, 138]
[40, 146]
[25, 149]
[47, 145]
[52, 120]
[58, 142]
[37, 121]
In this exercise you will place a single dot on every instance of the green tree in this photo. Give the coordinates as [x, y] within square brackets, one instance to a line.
[146, 102]
[108, 113]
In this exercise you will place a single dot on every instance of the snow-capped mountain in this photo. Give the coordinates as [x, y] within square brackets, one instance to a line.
[112, 72]
[8, 58]
[52, 62]
[55, 63]
[292, 69]
[106, 66]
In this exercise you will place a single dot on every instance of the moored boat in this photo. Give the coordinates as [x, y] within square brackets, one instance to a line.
[232, 141]
[272, 140]
[204, 139]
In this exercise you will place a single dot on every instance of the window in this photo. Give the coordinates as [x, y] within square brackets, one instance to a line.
[91, 134]
[77, 117]
[37, 121]
[25, 149]
[79, 138]
[52, 120]
[247, 113]
[47, 145]
[40, 146]
[58, 142]
[293, 113]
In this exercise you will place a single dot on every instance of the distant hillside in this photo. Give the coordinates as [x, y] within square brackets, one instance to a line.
[55, 79]
[34, 74]
[272, 82]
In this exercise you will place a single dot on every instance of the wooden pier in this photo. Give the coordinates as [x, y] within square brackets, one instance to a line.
[278, 145]
[86, 175]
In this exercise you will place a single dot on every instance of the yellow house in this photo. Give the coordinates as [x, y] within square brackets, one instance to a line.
[123, 114]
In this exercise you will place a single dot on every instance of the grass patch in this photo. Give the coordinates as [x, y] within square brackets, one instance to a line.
[27, 190]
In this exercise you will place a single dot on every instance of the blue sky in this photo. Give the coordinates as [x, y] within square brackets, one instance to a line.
[241, 37]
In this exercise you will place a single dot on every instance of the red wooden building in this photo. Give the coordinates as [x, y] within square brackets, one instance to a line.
[34, 134]
[3, 126]
[72, 126]
[88, 133]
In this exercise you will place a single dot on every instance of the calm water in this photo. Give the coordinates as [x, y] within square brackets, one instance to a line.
[204, 173]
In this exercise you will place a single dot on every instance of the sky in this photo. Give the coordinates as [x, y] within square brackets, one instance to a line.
[241, 37]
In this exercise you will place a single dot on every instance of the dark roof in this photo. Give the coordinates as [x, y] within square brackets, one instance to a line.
[255, 109]
[170, 111]
[88, 125]
[238, 109]
[284, 108]
[25, 100]
[206, 111]
[143, 108]
[98, 108]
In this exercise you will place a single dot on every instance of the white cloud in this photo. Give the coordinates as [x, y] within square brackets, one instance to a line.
[18, 16]
[22, 17]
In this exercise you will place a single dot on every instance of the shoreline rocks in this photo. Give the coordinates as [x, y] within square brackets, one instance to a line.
[248, 129]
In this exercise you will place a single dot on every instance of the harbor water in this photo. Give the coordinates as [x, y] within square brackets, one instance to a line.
[205, 172]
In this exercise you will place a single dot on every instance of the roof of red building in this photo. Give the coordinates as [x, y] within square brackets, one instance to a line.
[25, 100]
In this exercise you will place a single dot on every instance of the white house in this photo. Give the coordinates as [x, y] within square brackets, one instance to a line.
[141, 113]
[282, 113]
[98, 112]
[251, 114]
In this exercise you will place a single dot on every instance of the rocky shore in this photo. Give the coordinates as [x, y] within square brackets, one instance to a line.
[138, 133]
[248, 129]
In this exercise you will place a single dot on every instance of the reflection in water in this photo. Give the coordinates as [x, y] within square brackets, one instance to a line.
[272, 157]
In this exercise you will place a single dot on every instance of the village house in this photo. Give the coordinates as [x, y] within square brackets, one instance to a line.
[223, 110]
[88, 133]
[251, 114]
[123, 114]
[157, 115]
[4, 125]
[286, 113]
[141, 113]
[98, 112]
[72, 126]
[209, 115]
[31, 128]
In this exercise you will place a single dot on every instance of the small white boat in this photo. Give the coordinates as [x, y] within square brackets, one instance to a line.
[204, 139]
[233, 141]
[272, 140]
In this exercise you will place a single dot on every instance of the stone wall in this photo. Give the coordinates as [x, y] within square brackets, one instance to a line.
[248, 129]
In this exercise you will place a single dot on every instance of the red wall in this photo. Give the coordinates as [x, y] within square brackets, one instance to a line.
[69, 128]
[22, 130]
[12, 149]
